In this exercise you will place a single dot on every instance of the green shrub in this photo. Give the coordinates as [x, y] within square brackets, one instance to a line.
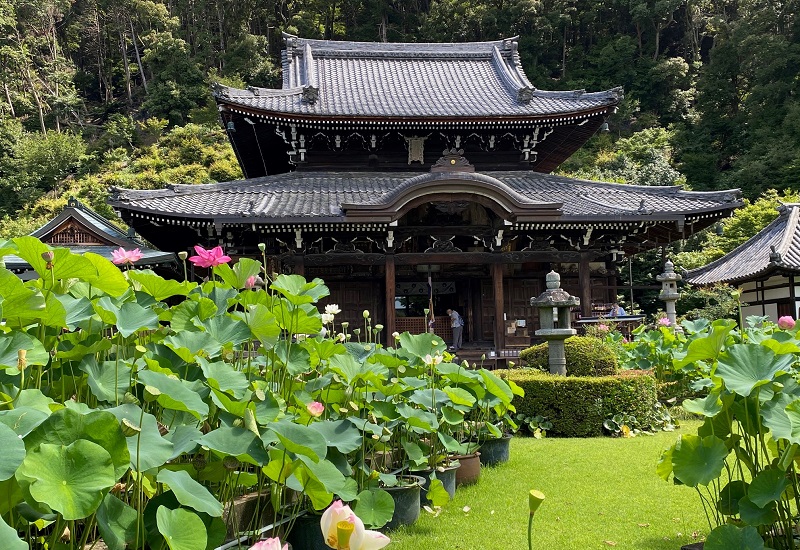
[577, 406]
[586, 356]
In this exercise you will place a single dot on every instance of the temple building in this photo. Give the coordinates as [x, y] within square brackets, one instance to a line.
[766, 268]
[81, 229]
[396, 170]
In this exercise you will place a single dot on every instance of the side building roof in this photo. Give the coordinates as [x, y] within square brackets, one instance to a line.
[775, 248]
[410, 81]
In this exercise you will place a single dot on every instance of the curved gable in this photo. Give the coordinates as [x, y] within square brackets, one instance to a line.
[490, 192]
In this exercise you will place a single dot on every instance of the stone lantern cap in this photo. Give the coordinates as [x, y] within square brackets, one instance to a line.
[555, 296]
[669, 274]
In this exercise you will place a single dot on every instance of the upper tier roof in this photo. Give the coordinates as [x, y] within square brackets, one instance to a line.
[476, 80]
[773, 249]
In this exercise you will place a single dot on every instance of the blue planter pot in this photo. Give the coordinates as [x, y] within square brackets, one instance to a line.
[406, 501]
[495, 451]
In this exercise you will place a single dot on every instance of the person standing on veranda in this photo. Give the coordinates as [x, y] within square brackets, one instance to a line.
[457, 324]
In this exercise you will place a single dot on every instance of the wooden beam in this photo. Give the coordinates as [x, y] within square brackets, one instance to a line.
[499, 307]
[299, 265]
[585, 284]
[389, 322]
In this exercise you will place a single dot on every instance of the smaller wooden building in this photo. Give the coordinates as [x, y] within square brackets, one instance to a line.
[766, 268]
[81, 229]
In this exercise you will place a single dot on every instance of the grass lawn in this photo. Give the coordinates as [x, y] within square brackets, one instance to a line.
[600, 493]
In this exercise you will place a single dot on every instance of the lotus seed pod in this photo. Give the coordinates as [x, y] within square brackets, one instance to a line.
[230, 463]
[535, 499]
[129, 429]
[183, 255]
[238, 423]
[262, 247]
[22, 360]
[130, 399]
[199, 462]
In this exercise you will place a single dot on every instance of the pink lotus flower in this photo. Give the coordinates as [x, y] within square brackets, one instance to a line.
[122, 256]
[339, 518]
[602, 327]
[270, 544]
[209, 258]
[315, 409]
[664, 321]
[250, 282]
[786, 322]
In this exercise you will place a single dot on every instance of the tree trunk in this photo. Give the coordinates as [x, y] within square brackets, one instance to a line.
[138, 57]
[564, 55]
[123, 50]
[36, 98]
[8, 99]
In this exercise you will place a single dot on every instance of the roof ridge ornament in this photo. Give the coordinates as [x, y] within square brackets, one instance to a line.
[452, 160]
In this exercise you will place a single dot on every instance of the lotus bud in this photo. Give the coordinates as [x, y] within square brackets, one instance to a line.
[48, 256]
[396, 335]
[22, 360]
[230, 463]
[129, 429]
[66, 535]
[262, 247]
[183, 255]
[535, 499]
[365, 314]
[786, 322]
[315, 409]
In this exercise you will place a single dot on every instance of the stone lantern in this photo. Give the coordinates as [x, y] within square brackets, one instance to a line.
[669, 290]
[555, 320]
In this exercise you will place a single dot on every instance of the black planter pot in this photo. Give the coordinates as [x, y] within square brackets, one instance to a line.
[495, 451]
[307, 534]
[447, 477]
[406, 501]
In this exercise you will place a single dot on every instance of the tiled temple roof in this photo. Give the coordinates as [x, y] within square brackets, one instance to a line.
[773, 249]
[285, 198]
[363, 80]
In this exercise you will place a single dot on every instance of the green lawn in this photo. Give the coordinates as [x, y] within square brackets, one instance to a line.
[601, 493]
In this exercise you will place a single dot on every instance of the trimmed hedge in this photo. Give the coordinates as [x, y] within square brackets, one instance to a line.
[577, 406]
[586, 356]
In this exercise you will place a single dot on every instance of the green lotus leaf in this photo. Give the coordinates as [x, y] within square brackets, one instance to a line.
[375, 508]
[78, 310]
[184, 440]
[116, 522]
[237, 275]
[310, 486]
[227, 330]
[9, 539]
[698, 460]
[182, 529]
[147, 449]
[708, 347]
[23, 420]
[67, 426]
[757, 515]
[421, 345]
[460, 396]
[497, 387]
[108, 380]
[419, 421]
[783, 418]
[190, 493]
[109, 278]
[300, 440]
[188, 344]
[744, 367]
[13, 452]
[781, 348]
[132, 318]
[298, 319]
[707, 406]
[263, 325]
[664, 466]
[19, 303]
[730, 537]
[341, 434]
[767, 487]
[223, 297]
[326, 473]
[729, 497]
[745, 411]
[71, 480]
[10, 344]
[65, 264]
[238, 442]
[175, 394]
[224, 377]
[297, 290]
[191, 312]
[159, 288]
[437, 494]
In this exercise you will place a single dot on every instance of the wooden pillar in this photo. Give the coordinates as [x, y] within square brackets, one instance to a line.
[585, 283]
[499, 306]
[389, 322]
[299, 267]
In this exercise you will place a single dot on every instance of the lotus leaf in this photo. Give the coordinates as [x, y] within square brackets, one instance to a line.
[133, 317]
[238, 442]
[730, 496]
[13, 452]
[299, 291]
[70, 479]
[301, 440]
[158, 287]
[767, 487]
[698, 460]
[108, 278]
[175, 393]
[374, 507]
[116, 522]
[730, 537]
[182, 529]
[10, 344]
[9, 539]
[190, 493]
[757, 515]
[108, 380]
[744, 367]
[341, 434]
[147, 449]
